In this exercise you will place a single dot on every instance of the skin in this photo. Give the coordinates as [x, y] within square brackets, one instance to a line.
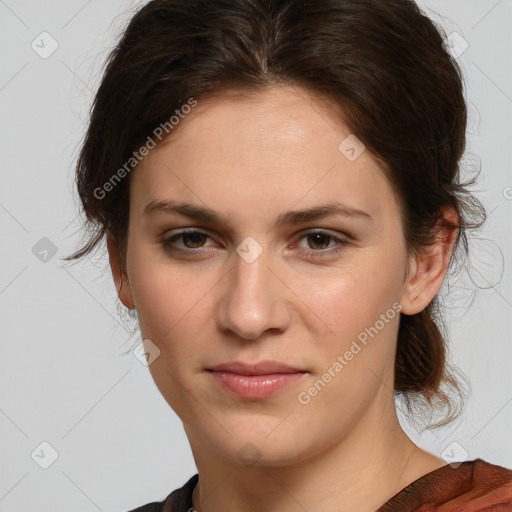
[251, 158]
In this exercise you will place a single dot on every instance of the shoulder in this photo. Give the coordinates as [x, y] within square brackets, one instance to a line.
[486, 471]
[473, 486]
[180, 500]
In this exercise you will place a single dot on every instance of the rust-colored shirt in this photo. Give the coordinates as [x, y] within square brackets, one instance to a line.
[472, 486]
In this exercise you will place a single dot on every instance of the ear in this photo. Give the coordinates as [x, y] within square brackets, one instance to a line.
[427, 269]
[120, 276]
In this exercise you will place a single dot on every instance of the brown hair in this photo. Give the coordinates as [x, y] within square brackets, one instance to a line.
[383, 63]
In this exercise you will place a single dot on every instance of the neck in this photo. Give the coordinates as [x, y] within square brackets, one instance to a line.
[359, 471]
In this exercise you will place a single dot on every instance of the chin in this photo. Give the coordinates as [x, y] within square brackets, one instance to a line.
[263, 448]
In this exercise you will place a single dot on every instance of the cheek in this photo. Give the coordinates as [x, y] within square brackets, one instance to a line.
[360, 306]
[166, 303]
[355, 360]
[172, 301]
[170, 310]
[158, 306]
[349, 298]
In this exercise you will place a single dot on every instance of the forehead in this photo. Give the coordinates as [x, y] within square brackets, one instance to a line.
[278, 147]
[277, 118]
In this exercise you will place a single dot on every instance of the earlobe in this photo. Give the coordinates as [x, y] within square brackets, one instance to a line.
[428, 268]
[119, 275]
[425, 279]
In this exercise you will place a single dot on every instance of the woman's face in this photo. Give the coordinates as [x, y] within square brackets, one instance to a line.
[253, 289]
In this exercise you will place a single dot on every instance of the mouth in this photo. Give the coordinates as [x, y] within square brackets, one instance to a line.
[259, 380]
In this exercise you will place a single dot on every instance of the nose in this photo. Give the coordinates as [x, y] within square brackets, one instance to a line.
[255, 298]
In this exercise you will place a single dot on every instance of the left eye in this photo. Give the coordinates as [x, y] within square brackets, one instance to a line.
[320, 239]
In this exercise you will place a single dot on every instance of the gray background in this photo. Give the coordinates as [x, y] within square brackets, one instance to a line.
[65, 378]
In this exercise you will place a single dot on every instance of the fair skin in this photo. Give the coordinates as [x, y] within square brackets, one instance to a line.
[252, 158]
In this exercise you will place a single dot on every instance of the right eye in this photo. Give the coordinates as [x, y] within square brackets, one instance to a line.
[194, 237]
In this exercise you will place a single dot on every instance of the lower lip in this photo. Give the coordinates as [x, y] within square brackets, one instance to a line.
[256, 386]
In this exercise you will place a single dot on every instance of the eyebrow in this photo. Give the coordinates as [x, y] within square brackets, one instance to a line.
[292, 217]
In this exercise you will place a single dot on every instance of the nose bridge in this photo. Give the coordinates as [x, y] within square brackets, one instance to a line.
[254, 299]
[251, 270]
[250, 280]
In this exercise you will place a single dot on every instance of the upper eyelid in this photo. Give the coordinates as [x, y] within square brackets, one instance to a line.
[341, 237]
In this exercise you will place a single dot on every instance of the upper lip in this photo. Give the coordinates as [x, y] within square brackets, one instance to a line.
[261, 368]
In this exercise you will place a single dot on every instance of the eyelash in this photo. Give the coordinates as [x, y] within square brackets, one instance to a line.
[168, 243]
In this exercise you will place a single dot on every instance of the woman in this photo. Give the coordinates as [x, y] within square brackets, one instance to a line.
[278, 184]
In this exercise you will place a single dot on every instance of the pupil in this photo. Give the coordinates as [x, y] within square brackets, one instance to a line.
[319, 235]
[195, 237]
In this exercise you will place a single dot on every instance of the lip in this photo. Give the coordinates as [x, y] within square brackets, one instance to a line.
[261, 368]
[258, 380]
